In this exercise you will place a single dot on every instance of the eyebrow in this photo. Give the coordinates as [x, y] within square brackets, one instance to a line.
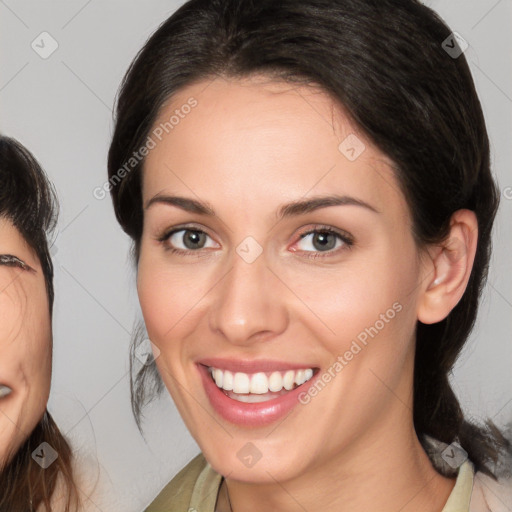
[294, 208]
[304, 206]
[13, 261]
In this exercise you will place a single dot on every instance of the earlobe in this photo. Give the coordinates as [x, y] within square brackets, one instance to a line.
[450, 268]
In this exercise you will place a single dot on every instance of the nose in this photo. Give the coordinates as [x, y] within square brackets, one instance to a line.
[248, 304]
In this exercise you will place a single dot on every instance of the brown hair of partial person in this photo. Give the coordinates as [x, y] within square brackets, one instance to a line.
[28, 200]
[26, 486]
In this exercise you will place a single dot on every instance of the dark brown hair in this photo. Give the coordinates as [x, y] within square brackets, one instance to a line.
[28, 200]
[384, 61]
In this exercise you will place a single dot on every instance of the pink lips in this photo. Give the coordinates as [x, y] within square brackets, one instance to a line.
[250, 414]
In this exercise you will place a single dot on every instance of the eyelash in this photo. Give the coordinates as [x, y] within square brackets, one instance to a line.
[347, 240]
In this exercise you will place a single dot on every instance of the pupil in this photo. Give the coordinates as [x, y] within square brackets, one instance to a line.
[193, 238]
[323, 241]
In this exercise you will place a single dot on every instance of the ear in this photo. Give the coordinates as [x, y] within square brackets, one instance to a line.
[447, 268]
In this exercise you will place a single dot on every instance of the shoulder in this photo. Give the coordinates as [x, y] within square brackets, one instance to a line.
[197, 481]
[473, 491]
[490, 495]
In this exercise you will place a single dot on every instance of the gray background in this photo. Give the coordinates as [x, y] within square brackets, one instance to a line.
[61, 109]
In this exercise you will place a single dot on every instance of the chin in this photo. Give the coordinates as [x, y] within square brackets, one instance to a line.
[244, 462]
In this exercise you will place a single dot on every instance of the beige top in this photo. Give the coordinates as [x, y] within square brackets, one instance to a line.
[196, 486]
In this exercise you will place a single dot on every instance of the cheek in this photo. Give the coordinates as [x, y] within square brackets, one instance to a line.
[167, 297]
[367, 296]
[37, 331]
[25, 345]
[12, 308]
[39, 334]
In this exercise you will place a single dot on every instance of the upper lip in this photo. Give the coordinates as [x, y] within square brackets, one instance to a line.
[252, 365]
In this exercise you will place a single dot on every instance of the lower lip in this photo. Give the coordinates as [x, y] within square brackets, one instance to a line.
[247, 414]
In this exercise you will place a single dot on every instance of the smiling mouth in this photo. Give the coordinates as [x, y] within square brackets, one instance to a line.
[260, 386]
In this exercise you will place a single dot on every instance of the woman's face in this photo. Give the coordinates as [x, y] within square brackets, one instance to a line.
[25, 341]
[235, 285]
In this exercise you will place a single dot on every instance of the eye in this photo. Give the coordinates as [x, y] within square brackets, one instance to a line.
[323, 240]
[183, 240]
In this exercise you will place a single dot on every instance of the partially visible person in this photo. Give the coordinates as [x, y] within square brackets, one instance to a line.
[30, 480]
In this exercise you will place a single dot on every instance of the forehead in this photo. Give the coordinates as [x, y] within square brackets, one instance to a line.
[255, 137]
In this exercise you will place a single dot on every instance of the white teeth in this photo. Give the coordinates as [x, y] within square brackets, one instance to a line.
[217, 376]
[241, 383]
[228, 380]
[289, 379]
[303, 376]
[275, 383]
[250, 398]
[260, 383]
[299, 378]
